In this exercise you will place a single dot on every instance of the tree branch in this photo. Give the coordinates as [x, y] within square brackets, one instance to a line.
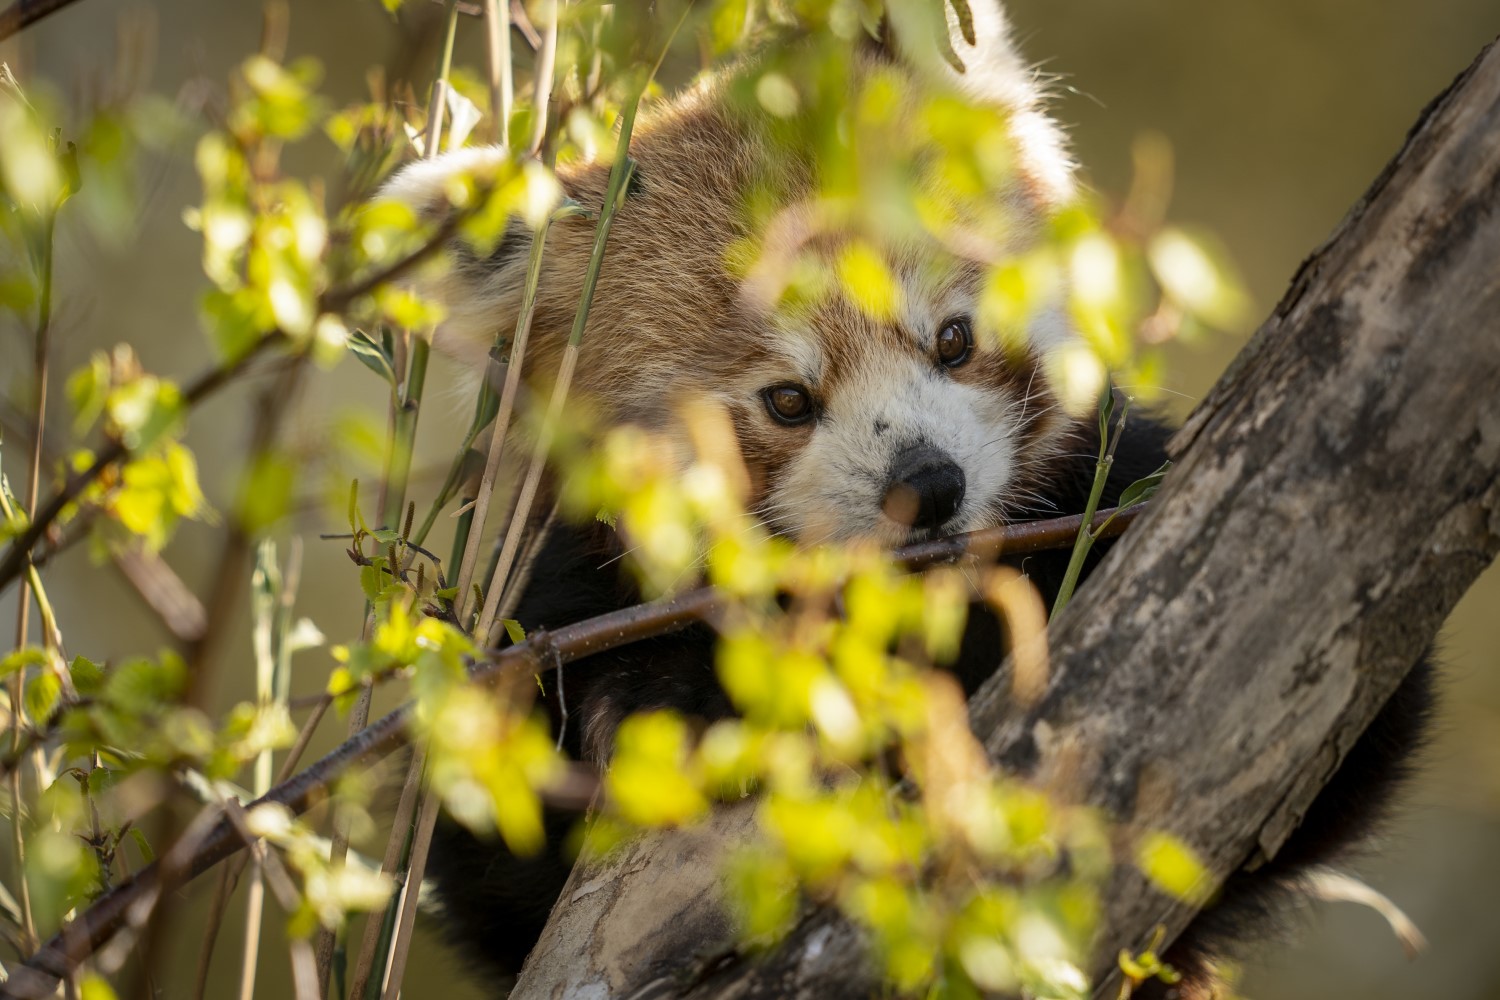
[200, 389]
[335, 300]
[1334, 496]
[24, 13]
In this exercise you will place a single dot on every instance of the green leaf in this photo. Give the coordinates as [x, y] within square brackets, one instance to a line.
[31, 656]
[868, 281]
[142, 845]
[143, 410]
[1174, 867]
[42, 696]
[1106, 410]
[1197, 276]
[405, 308]
[341, 682]
[265, 492]
[236, 321]
[157, 490]
[95, 987]
[88, 678]
[372, 356]
[1143, 489]
[102, 779]
[87, 388]
[513, 629]
[372, 580]
[145, 686]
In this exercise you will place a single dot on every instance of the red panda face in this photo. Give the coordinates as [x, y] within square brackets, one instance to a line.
[852, 427]
[914, 424]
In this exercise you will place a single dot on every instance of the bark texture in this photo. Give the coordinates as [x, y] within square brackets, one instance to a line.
[1334, 497]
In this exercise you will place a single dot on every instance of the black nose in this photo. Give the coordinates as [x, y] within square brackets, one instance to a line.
[925, 487]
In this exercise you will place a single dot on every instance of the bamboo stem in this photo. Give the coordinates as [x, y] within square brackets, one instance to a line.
[502, 86]
[374, 921]
[411, 889]
[546, 64]
[619, 176]
[31, 582]
[472, 531]
[485, 494]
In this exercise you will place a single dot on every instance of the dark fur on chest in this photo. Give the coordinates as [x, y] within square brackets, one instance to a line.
[495, 904]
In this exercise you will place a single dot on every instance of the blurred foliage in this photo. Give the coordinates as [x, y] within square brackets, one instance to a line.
[873, 795]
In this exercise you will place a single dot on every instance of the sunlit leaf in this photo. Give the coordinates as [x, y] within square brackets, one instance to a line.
[31, 656]
[1199, 279]
[1174, 867]
[43, 694]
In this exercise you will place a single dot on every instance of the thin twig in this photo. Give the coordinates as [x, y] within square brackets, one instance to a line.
[304, 968]
[406, 806]
[480, 511]
[32, 582]
[24, 13]
[546, 64]
[516, 586]
[411, 889]
[502, 87]
[226, 885]
[255, 895]
[228, 876]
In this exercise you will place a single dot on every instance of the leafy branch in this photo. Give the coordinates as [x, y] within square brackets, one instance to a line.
[334, 301]
[1137, 492]
[541, 651]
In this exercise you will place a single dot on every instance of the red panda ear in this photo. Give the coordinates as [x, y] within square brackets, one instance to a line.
[480, 291]
[966, 45]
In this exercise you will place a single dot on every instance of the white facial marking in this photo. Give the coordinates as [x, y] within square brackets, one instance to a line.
[836, 487]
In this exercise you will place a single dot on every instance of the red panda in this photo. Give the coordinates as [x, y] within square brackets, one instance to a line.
[895, 429]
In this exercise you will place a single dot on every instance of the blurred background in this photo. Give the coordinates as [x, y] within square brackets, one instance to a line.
[1279, 113]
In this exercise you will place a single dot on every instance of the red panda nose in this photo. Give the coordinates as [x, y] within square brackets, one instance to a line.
[925, 487]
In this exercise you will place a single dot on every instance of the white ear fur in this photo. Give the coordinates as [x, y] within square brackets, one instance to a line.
[994, 73]
[424, 185]
[478, 295]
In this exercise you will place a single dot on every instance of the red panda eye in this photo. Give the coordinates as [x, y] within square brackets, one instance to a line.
[790, 404]
[955, 342]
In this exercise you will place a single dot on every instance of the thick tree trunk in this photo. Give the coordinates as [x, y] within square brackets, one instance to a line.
[1334, 497]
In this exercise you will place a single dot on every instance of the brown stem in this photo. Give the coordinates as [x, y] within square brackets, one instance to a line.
[200, 389]
[231, 875]
[334, 301]
[406, 807]
[24, 13]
